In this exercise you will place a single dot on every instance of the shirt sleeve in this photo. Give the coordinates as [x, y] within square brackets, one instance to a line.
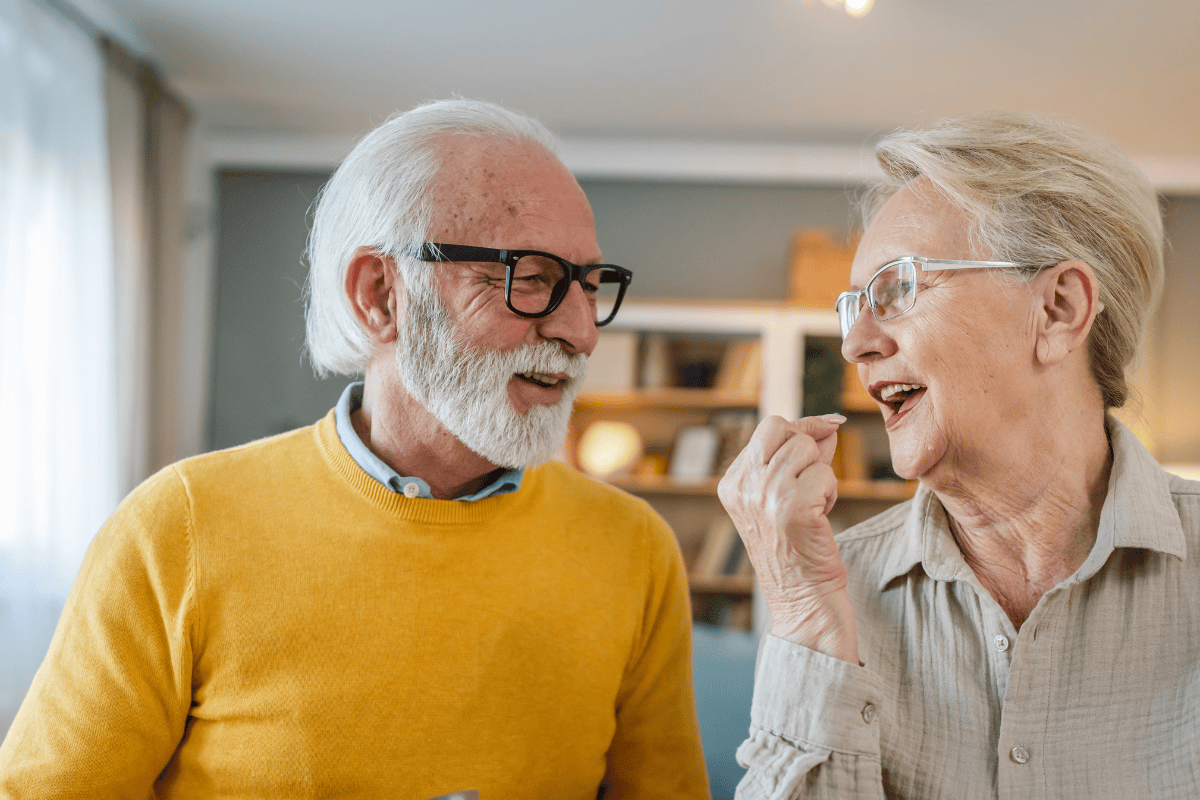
[656, 750]
[108, 707]
[814, 728]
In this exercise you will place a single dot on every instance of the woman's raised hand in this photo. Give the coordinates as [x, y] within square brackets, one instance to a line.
[779, 492]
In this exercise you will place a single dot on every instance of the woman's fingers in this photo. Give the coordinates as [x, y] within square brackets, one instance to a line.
[823, 431]
[779, 492]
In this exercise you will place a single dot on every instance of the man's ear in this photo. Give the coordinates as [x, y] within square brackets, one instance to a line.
[372, 283]
[1068, 295]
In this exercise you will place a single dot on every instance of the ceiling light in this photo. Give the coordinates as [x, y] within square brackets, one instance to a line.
[858, 8]
[855, 8]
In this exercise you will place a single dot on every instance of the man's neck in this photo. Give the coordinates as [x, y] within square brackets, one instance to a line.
[406, 437]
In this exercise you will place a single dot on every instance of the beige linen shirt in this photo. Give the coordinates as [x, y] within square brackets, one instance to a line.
[1097, 697]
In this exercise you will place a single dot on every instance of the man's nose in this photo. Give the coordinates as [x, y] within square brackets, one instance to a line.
[574, 321]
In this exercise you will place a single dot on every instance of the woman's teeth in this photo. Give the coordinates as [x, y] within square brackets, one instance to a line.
[888, 392]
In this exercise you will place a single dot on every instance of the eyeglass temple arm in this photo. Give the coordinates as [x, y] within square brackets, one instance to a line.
[939, 264]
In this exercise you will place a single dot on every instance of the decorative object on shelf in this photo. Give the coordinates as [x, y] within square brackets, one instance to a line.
[740, 371]
[609, 448]
[820, 269]
[694, 453]
[850, 458]
[823, 373]
[611, 366]
[656, 362]
[734, 429]
[652, 466]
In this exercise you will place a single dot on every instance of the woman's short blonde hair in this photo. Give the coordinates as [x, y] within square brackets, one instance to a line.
[1040, 192]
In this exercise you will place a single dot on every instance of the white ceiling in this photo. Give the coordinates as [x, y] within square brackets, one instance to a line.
[747, 71]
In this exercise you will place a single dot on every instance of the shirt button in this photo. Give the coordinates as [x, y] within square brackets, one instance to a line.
[411, 489]
[868, 713]
[1020, 755]
[1001, 643]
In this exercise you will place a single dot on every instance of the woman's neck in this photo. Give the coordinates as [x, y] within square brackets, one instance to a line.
[1025, 521]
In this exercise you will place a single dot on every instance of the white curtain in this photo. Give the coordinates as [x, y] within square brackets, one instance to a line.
[58, 431]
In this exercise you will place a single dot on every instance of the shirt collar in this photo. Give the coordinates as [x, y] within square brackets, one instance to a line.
[373, 465]
[1138, 512]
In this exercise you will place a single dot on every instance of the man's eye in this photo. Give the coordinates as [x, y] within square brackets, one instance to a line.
[539, 279]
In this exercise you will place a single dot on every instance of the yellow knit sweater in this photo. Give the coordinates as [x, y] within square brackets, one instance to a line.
[269, 621]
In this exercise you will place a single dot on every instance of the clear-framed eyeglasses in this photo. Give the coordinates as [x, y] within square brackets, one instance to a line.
[535, 282]
[892, 290]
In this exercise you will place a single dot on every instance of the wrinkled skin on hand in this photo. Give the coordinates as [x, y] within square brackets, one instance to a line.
[779, 492]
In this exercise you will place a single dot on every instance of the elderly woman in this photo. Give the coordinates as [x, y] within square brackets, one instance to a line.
[1028, 626]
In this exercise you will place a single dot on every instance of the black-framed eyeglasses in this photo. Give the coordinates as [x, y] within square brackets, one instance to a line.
[536, 282]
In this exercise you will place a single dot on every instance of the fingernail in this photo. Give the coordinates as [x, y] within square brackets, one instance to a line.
[836, 419]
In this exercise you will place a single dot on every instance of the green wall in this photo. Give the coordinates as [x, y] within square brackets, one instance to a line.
[261, 384]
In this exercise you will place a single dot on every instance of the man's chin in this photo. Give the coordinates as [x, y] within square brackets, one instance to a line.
[517, 441]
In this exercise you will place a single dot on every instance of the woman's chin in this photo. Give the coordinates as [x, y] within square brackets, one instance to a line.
[910, 466]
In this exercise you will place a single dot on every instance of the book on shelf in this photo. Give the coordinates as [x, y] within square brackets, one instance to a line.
[850, 459]
[734, 429]
[740, 370]
[655, 367]
[611, 365]
[722, 553]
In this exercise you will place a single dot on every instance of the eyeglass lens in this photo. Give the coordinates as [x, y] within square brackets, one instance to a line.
[893, 291]
[539, 282]
[890, 293]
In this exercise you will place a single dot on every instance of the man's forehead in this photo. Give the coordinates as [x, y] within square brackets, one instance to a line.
[489, 163]
[490, 183]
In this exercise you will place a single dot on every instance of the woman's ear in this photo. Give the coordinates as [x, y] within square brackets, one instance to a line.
[372, 282]
[1069, 300]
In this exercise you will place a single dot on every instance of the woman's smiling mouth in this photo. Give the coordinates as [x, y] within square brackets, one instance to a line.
[899, 397]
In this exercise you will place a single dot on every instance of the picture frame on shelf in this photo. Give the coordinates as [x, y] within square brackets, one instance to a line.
[694, 454]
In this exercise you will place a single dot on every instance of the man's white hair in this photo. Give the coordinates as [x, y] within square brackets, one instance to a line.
[378, 198]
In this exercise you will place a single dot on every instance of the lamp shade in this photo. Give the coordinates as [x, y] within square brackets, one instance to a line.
[609, 447]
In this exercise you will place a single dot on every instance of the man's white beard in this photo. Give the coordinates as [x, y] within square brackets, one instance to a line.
[466, 389]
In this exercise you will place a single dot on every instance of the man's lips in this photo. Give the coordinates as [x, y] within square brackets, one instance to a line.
[546, 380]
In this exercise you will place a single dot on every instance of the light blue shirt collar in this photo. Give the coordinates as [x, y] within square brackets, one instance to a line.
[373, 465]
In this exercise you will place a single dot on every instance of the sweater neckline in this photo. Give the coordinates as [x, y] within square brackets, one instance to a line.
[415, 509]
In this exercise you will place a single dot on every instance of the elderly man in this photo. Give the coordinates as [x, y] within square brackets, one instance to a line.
[402, 600]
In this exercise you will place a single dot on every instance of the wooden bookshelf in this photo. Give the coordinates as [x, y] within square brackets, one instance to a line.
[661, 484]
[761, 372]
[894, 491]
[700, 399]
[739, 585]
